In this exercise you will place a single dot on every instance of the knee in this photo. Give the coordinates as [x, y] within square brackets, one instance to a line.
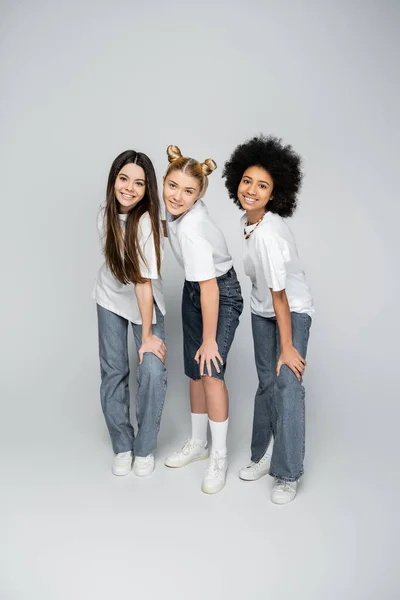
[286, 378]
[266, 382]
[152, 367]
[114, 369]
[288, 387]
[212, 383]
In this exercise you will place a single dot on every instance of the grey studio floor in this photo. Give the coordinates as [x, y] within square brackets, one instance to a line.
[73, 530]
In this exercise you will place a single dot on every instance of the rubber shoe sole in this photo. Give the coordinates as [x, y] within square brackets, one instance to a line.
[196, 458]
[213, 491]
[121, 471]
[248, 477]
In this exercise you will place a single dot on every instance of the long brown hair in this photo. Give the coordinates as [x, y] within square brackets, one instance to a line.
[122, 251]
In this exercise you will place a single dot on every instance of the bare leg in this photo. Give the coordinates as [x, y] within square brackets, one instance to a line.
[217, 399]
[197, 397]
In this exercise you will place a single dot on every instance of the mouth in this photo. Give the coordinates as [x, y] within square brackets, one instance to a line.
[174, 205]
[127, 197]
[249, 200]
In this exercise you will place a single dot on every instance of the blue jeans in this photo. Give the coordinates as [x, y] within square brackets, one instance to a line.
[114, 389]
[279, 409]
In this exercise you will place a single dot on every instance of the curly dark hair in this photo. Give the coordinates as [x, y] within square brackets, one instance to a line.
[281, 162]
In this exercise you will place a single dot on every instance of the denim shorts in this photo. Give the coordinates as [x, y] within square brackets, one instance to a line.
[230, 309]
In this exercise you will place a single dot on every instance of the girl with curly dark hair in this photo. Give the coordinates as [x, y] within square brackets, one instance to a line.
[128, 289]
[263, 177]
[211, 306]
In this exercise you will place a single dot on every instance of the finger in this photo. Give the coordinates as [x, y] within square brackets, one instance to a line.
[140, 357]
[216, 365]
[295, 371]
[159, 355]
[196, 358]
[278, 368]
[202, 361]
[220, 359]
[209, 370]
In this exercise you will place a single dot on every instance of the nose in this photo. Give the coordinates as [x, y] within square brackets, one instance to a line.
[252, 189]
[129, 186]
[177, 195]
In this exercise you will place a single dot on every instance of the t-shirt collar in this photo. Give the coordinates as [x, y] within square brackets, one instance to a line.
[249, 228]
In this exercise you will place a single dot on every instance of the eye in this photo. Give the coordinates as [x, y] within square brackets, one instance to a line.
[140, 183]
[190, 192]
[263, 186]
[246, 180]
[172, 186]
[122, 178]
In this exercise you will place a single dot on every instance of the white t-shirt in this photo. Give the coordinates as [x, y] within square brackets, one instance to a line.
[198, 244]
[120, 298]
[271, 261]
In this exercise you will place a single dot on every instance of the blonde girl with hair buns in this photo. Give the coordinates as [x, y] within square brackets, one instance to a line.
[211, 306]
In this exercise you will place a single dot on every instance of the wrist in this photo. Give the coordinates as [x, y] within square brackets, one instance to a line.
[286, 345]
[146, 336]
[209, 340]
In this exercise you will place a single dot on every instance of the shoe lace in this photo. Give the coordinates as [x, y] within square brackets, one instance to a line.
[186, 447]
[260, 463]
[216, 465]
[144, 459]
[124, 454]
[285, 486]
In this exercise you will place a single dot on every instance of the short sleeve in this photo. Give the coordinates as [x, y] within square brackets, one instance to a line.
[197, 258]
[148, 269]
[273, 251]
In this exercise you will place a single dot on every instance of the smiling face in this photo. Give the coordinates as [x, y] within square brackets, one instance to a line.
[180, 192]
[254, 192]
[129, 187]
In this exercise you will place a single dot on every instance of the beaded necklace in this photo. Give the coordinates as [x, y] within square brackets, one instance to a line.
[247, 235]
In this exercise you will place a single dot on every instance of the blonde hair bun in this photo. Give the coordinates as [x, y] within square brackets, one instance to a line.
[173, 153]
[208, 166]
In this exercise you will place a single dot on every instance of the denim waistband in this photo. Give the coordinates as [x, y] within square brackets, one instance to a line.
[228, 275]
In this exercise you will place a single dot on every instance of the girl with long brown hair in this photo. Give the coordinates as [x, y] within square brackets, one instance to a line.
[211, 306]
[128, 289]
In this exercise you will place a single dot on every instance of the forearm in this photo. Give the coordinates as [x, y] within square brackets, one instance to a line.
[209, 299]
[144, 295]
[282, 312]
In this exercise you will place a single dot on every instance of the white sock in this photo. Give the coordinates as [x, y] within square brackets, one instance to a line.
[219, 432]
[199, 427]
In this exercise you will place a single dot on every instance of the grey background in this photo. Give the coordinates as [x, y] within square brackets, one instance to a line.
[82, 81]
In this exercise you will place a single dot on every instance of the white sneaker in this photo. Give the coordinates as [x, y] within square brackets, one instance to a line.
[256, 470]
[143, 465]
[283, 491]
[191, 450]
[214, 478]
[122, 463]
